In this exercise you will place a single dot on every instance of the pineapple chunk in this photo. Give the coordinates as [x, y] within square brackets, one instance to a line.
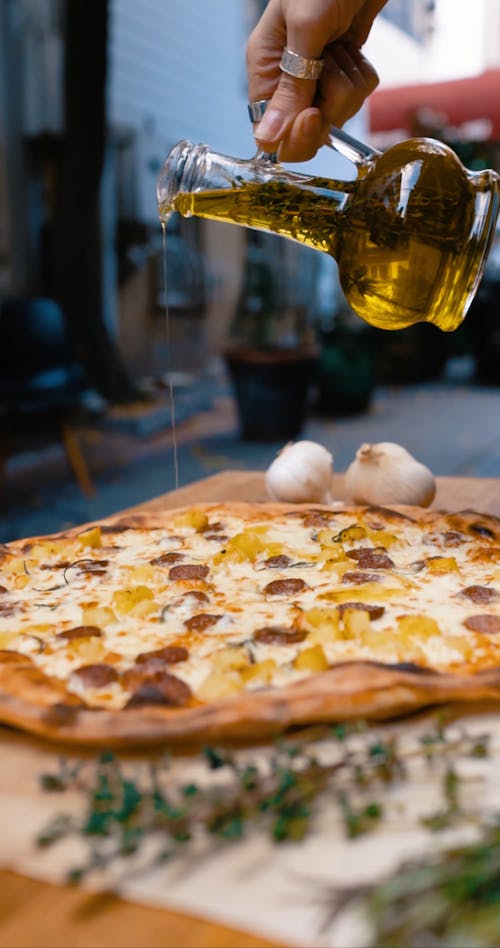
[318, 617]
[382, 538]
[442, 564]
[356, 623]
[91, 538]
[21, 580]
[87, 650]
[231, 658]
[325, 537]
[195, 518]
[6, 638]
[100, 616]
[382, 642]
[366, 592]
[245, 546]
[46, 549]
[16, 565]
[466, 647]
[417, 626]
[333, 556]
[352, 533]
[124, 600]
[311, 659]
[325, 625]
[144, 608]
[249, 545]
[218, 685]
[260, 671]
[37, 629]
[325, 634]
[144, 574]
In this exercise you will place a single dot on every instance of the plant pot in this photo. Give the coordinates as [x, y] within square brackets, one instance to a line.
[346, 374]
[415, 354]
[272, 388]
[483, 332]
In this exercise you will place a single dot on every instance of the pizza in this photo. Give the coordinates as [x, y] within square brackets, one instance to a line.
[239, 620]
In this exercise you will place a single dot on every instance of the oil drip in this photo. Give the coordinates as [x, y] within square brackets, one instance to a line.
[170, 382]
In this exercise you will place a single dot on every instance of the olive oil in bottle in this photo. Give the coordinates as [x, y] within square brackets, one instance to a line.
[410, 235]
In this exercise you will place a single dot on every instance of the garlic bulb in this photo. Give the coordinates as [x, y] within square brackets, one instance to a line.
[386, 473]
[301, 472]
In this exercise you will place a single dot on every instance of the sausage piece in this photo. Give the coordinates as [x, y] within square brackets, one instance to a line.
[285, 587]
[483, 623]
[188, 571]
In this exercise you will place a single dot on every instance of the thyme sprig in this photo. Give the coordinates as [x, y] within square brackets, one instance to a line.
[145, 810]
[448, 899]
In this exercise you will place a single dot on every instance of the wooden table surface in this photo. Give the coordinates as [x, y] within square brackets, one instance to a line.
[35, 914]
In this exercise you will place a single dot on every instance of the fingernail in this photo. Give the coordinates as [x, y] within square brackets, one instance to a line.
[270, 126]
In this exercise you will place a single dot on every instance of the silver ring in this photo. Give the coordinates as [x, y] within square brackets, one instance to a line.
[256, 109]
[300, 66]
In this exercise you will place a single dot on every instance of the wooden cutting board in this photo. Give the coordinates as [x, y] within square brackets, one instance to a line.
[35, 914]
[453, 493]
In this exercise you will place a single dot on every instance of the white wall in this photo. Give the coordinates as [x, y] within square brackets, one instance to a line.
[180, 66]
[178, 71]
[465, 41]
[492, 33]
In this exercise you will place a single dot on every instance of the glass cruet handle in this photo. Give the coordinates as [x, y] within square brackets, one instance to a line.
[347, 146]
[350, 147]
[262, 155]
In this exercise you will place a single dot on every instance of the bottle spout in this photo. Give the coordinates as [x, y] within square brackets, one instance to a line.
[176, 175]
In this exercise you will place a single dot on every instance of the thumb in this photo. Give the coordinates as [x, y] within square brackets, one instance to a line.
[305, 33]
[290, 97]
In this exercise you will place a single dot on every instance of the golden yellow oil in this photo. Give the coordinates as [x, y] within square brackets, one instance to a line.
[409, 236]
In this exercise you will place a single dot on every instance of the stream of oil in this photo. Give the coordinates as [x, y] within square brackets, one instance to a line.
[170, 382]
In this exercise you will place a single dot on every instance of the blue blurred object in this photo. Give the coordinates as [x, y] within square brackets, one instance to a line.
[41, 380]
[38, 369]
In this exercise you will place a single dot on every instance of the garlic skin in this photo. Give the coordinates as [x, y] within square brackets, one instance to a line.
[300, 473]
[386, 473]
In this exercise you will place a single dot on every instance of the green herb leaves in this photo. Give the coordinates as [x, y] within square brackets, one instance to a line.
[146, 810]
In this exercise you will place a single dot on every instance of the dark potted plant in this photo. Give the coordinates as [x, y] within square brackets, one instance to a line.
[482, 326]
[272, 355]
[347, 368]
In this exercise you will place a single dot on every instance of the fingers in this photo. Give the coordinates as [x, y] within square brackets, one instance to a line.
[362, 23]
[304, 138]
[263, 53]
[300, 110]
[306, 28]
[347, 79]
[287, 95]
[284, 108]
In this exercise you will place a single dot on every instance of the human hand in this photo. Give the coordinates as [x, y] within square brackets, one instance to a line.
[301, 111]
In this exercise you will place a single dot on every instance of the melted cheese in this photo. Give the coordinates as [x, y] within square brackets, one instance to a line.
[50, 600]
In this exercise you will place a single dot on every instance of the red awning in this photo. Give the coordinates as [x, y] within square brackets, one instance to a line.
[471, 107]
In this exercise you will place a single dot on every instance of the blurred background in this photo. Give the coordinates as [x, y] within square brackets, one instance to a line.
[93, 95]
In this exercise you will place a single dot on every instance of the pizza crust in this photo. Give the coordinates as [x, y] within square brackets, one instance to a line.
[350, 690]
